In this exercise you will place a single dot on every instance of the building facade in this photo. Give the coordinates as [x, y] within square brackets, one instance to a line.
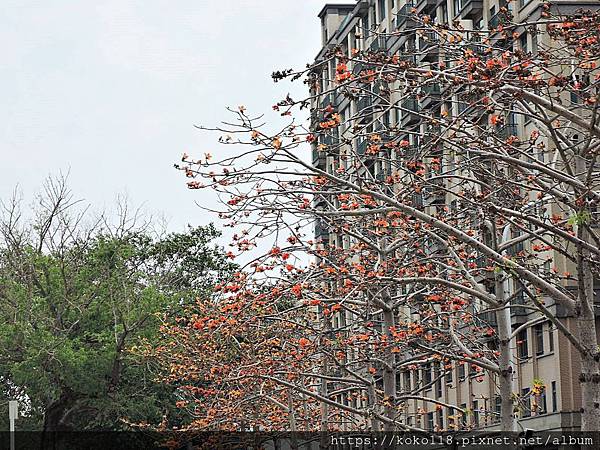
[540, 351]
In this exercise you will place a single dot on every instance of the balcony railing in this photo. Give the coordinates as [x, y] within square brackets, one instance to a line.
[476, 47]
[432, 89]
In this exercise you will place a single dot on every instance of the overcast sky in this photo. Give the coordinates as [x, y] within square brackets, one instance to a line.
[110, 90]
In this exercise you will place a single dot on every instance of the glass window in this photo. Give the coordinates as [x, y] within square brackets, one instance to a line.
[448, 376]
[543, 407]
[538, 331]
[522, 347]
[476, 413]
[498, 408]
[523, 42]
[550, 337]
[382, 8]
[526, 402]
[427, 373]
[430, 421]
[554, 397]
[444, 16]
[456, 6]
[407, 381]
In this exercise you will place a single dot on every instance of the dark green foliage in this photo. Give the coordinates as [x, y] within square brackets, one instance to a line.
[71, 310]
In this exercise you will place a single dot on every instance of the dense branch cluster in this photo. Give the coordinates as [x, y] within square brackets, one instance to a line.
[457, 193]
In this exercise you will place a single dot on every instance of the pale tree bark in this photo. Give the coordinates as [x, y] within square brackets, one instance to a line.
[586, 323]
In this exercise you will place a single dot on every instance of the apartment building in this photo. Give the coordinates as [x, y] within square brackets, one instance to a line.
[540, 351]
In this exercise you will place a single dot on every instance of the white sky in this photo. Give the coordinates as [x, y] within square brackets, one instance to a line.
[110, 90]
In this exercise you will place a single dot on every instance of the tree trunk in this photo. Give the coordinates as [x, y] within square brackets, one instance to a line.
[389, 371]
[586, 322]
[590, 369]
[506, 376]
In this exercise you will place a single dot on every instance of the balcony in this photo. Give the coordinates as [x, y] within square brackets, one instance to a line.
[417, 200]
[471, 9]
[409, 57]
[425, 6]
[404, 16]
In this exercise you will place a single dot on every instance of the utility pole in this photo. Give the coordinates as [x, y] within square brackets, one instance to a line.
[13, 413]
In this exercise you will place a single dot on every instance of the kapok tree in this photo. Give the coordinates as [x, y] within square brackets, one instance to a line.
[498, 172]
[347, 362]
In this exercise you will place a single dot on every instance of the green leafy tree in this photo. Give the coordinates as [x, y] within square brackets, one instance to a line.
[77, 298]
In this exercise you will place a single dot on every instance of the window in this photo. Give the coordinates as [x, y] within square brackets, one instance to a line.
[463, 416]
[526, 402]
[542, 407]
[523, 42]
[550, 337]
[382, 8]
[473, 372]
[461, 371]
[430, 421]
[497, 408]
[456, 6]
[538, 331]
[475, 413]
[452, 418]
[444, 15]
[441, 419]
[427, 374]
[448, 376]
[522, 347]
[554, 397]
[407, 381]
[491, 23]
